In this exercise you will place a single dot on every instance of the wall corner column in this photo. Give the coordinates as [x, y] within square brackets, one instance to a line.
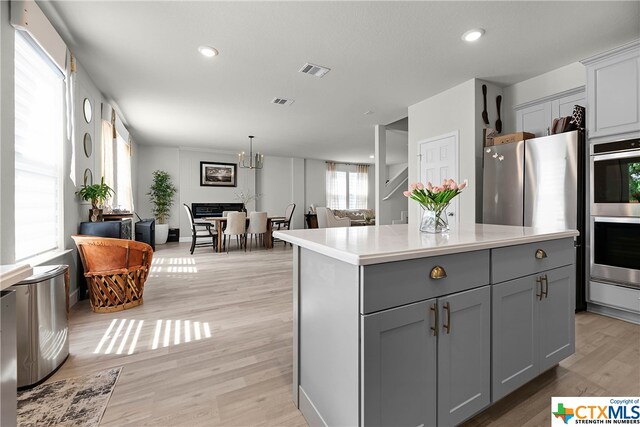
[380, 173]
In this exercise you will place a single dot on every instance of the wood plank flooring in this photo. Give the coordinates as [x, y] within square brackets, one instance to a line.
[240, 375]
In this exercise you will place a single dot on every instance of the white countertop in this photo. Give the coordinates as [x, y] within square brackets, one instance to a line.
[11, 274]
[386, 243]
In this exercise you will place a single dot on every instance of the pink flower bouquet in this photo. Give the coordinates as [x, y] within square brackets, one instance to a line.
[434, 200]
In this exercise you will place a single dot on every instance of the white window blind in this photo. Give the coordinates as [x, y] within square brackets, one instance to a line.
[39, 119]
[124, 192]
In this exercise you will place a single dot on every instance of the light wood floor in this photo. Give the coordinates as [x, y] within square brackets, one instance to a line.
[241, 374]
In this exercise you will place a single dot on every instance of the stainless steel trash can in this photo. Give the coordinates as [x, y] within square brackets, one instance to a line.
[7, 358]
[42, 324]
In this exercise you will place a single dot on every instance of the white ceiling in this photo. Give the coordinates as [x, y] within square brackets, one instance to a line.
[384, 56]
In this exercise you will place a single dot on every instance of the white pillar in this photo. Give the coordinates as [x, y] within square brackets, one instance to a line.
[381, 173]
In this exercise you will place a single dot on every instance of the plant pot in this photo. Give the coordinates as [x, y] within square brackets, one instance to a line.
[434, 220]
[95, 215]
[162, 232]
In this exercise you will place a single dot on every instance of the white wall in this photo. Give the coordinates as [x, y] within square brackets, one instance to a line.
[559, 80]
[315, 188]
[281, 182]
[451, 110]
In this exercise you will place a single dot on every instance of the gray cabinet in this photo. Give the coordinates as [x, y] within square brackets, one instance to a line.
[464, 354]
[533, 327]
[613, 92]
[402, 382]
[399, 366]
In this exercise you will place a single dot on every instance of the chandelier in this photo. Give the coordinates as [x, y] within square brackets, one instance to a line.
[255, 161]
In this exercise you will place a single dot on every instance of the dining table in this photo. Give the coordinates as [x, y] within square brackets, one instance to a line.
[220, 221]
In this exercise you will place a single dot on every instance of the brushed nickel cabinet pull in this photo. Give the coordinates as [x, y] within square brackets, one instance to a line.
[540, 253]
[544, 280]
[447, 326]
[437, 273]
[539, 288]
[434, 328]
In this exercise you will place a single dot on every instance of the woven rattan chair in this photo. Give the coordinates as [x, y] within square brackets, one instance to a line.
[115, 269]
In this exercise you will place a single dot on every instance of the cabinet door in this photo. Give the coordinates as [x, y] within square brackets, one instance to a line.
[514, 335]
[613, 95]
[399, 366]
[556, 318]
[464, 352]
[563, 107]
[535, 119]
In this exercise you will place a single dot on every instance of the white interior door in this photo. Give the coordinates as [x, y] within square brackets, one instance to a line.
[438, 160]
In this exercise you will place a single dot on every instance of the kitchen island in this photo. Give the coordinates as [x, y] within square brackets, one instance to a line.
[397, 327]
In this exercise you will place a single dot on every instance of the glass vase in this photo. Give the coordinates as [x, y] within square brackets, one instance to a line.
[434, 219]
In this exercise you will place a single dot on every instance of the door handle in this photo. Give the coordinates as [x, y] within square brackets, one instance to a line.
[539, 288]
[544, 280]
[434, 329]
[447, 326]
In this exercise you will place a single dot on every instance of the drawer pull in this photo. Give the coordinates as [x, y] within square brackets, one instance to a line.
[544, 281]
[437, 273]
[434, 328]
[539, 288]
[540, 253]
[447, 326]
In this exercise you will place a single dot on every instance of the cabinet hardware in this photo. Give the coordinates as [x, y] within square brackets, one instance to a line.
[540, 253]
[544, 280]
[539, 288]
[437, 273]
[447, 326]
[434, 328]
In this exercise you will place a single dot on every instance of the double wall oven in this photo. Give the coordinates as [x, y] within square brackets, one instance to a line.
[615, 212]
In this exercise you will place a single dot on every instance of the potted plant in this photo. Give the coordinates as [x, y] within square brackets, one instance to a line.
[245, 197]
[434, 201]
[97, 194]
[161, 196]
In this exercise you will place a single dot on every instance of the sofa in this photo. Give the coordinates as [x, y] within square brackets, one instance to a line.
[357, 216]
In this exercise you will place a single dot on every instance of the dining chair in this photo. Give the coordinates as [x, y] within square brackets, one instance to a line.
[200, 230]
[257, 228]
[236, 226]
[285, 224]
[326, 219]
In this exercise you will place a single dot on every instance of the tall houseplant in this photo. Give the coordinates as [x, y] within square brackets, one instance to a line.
[97, 194]
[161, 195]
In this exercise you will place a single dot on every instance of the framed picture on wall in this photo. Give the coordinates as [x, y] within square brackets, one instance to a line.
[215, 174]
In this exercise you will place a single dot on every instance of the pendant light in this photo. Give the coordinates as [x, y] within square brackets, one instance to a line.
[255, 161]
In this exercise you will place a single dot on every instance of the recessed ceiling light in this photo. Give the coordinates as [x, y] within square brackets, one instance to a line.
[208, 51]
[372, 156]
[473, 35]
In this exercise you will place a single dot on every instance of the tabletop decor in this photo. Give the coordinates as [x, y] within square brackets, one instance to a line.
[216, 174]
[434, 201]
[97, 194]
[161, 196]
[245, 196]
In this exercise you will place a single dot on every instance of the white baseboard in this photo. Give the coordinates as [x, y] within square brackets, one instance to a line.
[73, 298]
[309, 411]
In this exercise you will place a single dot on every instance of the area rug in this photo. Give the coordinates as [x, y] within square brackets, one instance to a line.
[79, 401]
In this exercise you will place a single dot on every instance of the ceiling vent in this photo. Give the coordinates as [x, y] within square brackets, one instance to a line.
[282, 101]
[314, 70]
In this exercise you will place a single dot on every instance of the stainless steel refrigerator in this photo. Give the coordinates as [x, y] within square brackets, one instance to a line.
[539, 182]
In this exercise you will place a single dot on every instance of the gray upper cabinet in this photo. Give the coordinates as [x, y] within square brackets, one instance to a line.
[399, 366]
[613, 92]
[464, 355]
[537, 116]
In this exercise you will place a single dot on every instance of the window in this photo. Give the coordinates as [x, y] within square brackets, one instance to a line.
[349, 188]
[39, 118]
[124, 193]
